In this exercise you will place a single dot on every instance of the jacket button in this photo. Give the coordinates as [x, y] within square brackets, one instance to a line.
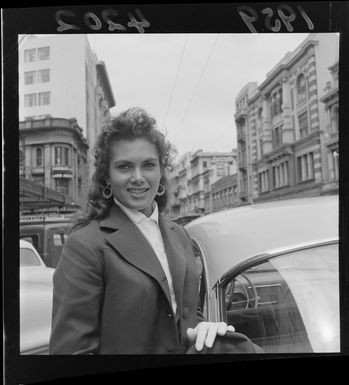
[169, 315]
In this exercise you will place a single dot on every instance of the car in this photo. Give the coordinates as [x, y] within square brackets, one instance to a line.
[36, 288]
[47, 233]
[272, 271]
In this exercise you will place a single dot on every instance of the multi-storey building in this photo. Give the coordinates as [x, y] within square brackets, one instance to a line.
[60, 77]
[331, 102]
[285, 148]
[179, 190]
[192, 178]
[244, 141]
[224, 193]
[53, 153]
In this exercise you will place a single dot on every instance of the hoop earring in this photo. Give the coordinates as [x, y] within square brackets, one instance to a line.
[107, 191]
[161, 190]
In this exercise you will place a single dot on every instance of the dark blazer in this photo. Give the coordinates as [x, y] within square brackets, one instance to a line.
[111, 294]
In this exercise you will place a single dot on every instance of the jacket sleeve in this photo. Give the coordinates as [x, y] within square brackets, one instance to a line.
[77, 298]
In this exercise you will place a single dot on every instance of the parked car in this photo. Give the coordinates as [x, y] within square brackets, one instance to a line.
[36, 289]
[271, 270]
[47, 234]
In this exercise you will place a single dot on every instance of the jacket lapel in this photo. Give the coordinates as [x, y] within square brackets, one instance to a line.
[176, 259]
[134, 247]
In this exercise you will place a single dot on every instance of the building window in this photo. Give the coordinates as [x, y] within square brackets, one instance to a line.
[334, 119]
[43, 53]
[29, 55]
[277, 136]
[204, 164]
[44, 98]
[335, 156]
[39, 157]
[305, 167]
[280, 175]
[303, 125]
[276, 103]
[220, 169]
[44, 75]
[301, 88]
[29, 77]
[62, 156]
[30, 100]
[62, 185]
[264, 181]
[261, 146]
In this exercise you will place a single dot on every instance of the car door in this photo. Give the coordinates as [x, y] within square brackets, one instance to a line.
[286, 302]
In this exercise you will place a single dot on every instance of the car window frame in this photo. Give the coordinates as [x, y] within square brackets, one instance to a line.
[226, 278]
[207, 288]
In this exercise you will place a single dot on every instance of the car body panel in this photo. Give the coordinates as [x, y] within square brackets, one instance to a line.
[240, 233]
[293, 246]
[36, 288]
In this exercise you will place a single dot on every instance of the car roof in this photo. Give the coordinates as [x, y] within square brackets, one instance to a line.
[232, 236]
[27, 245]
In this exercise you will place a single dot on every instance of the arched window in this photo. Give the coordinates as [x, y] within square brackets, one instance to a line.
[301, 88]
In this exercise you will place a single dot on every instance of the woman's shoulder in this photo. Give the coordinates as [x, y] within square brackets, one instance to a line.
[89, 231]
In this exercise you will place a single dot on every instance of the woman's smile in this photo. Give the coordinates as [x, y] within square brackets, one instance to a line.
[138, 193]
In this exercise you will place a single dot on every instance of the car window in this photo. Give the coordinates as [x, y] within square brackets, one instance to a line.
[59, 239]
[32, 238]
[288, 303]
[28, 258]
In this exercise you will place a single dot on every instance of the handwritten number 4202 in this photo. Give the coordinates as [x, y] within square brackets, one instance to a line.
[249, 15]
[93, 21]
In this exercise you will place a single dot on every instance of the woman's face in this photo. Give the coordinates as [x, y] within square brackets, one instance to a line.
[135, 173]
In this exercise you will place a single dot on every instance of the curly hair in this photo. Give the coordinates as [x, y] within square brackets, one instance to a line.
[131, 124]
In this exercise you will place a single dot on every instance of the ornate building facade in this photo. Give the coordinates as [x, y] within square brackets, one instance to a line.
[285, 148]
[53, 153]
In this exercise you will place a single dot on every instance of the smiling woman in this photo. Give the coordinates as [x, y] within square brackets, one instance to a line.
[127, 280]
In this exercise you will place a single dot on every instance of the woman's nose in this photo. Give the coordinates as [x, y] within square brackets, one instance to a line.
[137, 175]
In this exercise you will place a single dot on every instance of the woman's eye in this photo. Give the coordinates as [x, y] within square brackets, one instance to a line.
[149, 165]
[124, 166]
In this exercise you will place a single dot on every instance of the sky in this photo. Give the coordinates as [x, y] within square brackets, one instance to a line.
[189, 82]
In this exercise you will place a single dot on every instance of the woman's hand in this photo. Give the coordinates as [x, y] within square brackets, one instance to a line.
[205, 333]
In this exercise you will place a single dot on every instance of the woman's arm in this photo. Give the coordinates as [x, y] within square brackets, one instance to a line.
[77, 298]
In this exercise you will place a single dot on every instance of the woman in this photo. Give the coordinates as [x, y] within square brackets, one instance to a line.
[127, 280]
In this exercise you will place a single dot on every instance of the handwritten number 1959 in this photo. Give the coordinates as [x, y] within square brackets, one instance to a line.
[285, 12]
[93, 22]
